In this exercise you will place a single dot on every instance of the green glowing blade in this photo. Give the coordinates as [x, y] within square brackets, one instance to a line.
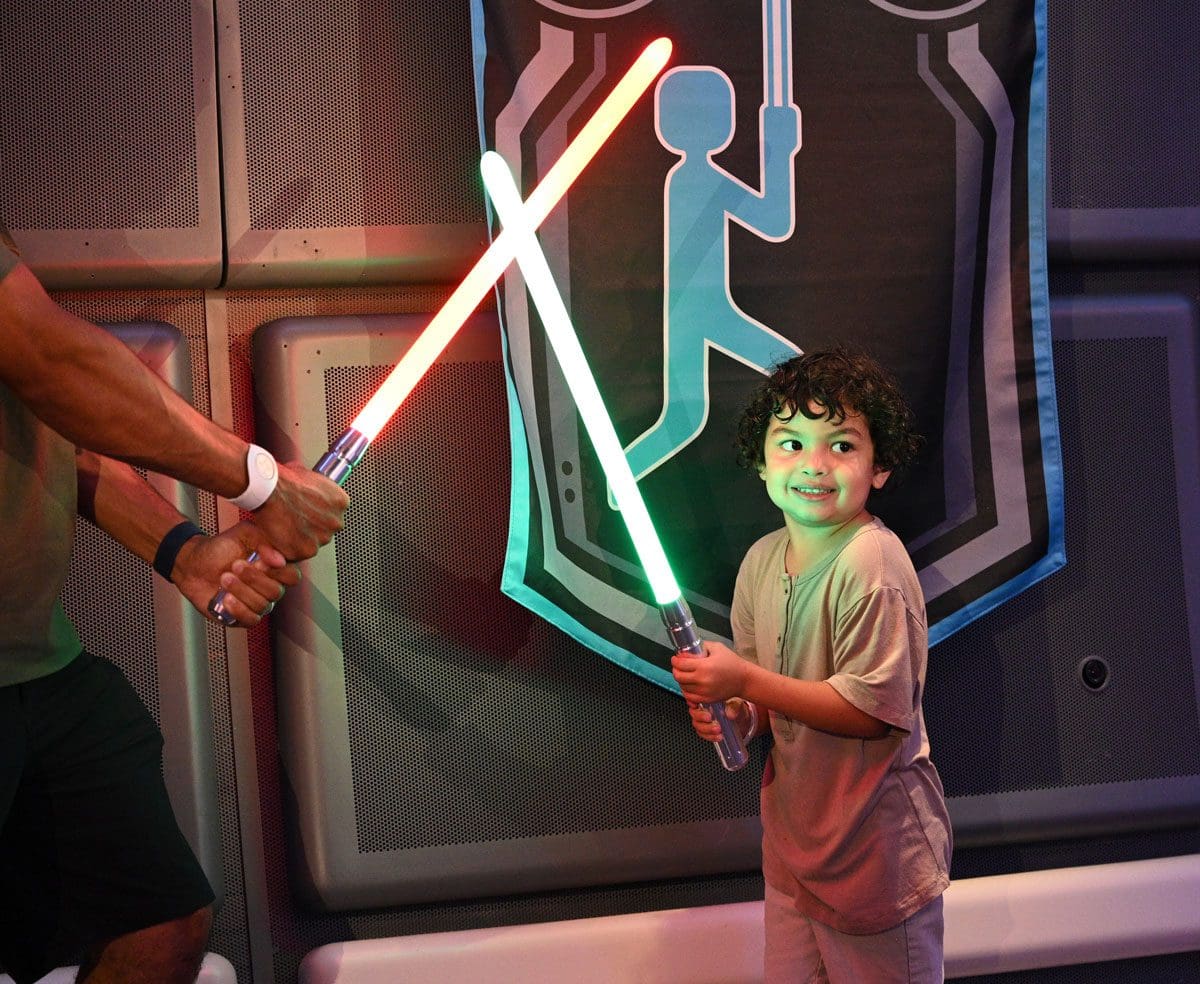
[540, 281]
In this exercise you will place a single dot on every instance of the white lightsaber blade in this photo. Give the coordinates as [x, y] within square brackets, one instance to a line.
[596, 420]
[348, 449]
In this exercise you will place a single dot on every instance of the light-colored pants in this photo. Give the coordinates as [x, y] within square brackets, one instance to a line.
[801, 951]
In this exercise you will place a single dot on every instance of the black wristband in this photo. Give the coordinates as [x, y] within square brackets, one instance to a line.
[172, 543]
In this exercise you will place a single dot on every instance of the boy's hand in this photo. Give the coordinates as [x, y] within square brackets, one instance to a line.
[719, 675]
[736, 710]
[206, 565]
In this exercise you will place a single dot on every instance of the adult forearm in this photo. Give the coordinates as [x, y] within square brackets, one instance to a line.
[119, 501]
[94, 391]
[89, 387]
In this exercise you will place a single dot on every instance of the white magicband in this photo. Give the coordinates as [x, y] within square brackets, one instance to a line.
[264, 474]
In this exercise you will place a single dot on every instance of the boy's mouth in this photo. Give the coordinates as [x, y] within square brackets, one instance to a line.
[811, 489]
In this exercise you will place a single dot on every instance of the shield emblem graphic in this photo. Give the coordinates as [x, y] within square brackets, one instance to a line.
[867, 174]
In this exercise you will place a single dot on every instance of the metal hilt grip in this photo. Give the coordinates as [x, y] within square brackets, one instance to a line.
[685, 639]
[335, 464]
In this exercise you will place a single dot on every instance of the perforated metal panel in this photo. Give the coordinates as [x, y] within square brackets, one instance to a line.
[439, 741]
[243, 312]
[378, 94]
[90, 105]
[471, 720]
[101, 569]
[1124, 105]
[1123, 123]
[1024, 746]
[108, 125]
[294, 927]
[350, 142]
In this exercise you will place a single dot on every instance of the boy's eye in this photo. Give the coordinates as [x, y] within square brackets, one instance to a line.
[790, 444]
[843, 446]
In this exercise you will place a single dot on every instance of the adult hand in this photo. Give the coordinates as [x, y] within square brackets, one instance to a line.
[303, 513]
[206, 565]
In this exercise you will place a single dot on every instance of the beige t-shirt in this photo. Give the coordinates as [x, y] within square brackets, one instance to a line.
[855, 831]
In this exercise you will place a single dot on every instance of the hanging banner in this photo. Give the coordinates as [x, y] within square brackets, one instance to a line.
[802, 175]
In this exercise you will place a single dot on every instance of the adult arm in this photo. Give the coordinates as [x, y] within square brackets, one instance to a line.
[89, 387]
[119, 501]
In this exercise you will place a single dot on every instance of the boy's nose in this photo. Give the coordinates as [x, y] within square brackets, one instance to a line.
[813, 465]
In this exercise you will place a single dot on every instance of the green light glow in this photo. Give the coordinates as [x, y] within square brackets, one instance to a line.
[520, 224]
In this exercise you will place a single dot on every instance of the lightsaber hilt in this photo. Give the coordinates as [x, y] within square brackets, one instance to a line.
[347, 450]
[731, 749]
[336, 465]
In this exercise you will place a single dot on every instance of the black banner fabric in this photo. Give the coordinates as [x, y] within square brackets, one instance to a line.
[800, 175]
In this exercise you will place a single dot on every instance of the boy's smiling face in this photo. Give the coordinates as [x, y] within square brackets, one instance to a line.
[820, 472]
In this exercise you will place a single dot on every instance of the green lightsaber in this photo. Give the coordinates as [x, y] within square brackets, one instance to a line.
[557, 321]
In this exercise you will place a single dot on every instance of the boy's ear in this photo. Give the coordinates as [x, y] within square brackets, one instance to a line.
[880, 478]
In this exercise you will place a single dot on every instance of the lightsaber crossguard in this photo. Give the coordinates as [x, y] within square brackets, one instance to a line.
[596, 420]
[349, 448]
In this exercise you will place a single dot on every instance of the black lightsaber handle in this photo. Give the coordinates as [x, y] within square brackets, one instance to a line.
[336, 465]
[684, 637]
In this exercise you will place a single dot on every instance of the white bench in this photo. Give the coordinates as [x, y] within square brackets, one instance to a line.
[994, 924]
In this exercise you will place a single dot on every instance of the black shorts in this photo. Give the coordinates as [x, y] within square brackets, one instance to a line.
[89, 846]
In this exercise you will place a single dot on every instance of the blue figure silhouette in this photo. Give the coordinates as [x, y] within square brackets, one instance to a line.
[694, 116]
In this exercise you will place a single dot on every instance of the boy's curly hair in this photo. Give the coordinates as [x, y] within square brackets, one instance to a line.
[839, 380]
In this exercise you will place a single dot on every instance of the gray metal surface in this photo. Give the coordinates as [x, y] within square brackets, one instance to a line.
[439, 741]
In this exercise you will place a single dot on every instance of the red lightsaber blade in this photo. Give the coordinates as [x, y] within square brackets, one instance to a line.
[337, 463]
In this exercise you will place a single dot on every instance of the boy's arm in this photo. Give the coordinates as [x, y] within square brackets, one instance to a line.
[119, 501]
[723, 674]
[89, 387]
[814, 703]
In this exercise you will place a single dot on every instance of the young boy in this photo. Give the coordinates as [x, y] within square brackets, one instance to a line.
[829, 626]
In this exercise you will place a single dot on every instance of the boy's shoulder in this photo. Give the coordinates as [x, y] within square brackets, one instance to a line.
[764, 557]
[877, 556]
[875, 538]
[762, 549]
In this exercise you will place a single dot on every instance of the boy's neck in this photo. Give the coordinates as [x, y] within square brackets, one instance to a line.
[807, 546]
